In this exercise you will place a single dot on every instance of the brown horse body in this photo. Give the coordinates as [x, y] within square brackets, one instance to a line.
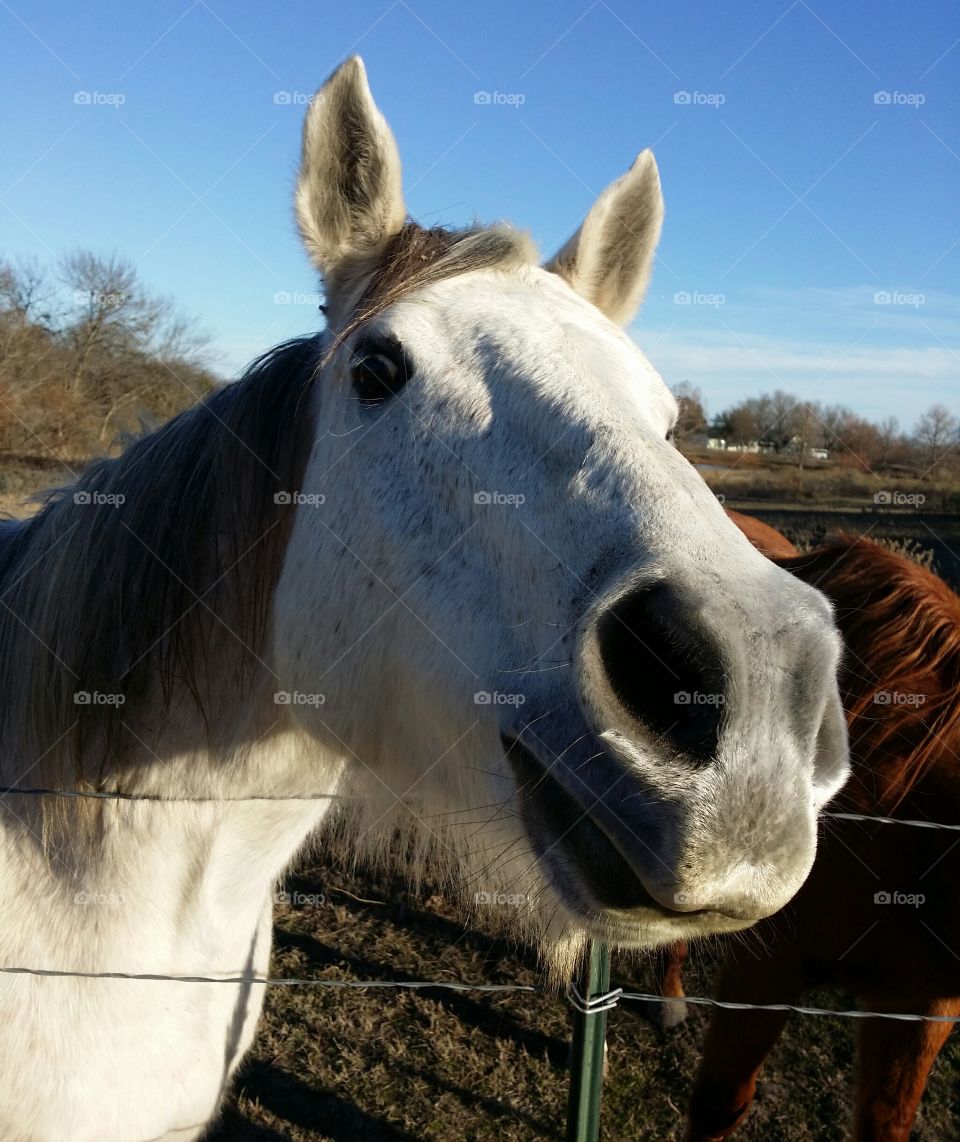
[878, 915]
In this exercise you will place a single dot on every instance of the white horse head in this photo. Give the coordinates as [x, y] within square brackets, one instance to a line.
[531, 621]
[442, 562]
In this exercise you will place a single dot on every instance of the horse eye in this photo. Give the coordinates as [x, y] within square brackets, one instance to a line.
[379, 374]
[671, 435]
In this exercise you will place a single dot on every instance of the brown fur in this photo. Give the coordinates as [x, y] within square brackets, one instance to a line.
[901, 628]
[766, 539]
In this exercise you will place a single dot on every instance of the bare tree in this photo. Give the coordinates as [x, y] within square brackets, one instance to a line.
[937, 433]
[88, 353]
[888, 437]
[692, 417]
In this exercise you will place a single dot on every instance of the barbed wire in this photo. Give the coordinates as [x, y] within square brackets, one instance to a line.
[116, 795]
[730, 1005]
[605, 1003]
[890, 821]
[589, 1007]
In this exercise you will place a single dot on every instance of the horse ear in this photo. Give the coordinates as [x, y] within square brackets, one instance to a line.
[349, 201]
[609, 259]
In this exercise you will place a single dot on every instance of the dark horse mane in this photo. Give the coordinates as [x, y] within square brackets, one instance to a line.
[900, 677]
[124, 599]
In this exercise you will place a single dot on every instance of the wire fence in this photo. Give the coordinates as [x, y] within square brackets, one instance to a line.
[610, 999]
[590, 996]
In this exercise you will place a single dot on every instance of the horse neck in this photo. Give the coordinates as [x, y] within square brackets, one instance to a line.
[176, 884]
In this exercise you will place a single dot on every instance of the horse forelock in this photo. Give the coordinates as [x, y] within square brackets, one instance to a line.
[418, 256]
[900, 677]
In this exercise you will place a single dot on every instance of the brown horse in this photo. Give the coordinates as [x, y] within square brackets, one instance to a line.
[878, 915]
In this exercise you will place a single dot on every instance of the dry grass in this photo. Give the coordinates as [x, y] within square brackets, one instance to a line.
[778, 480]
[385, 1065]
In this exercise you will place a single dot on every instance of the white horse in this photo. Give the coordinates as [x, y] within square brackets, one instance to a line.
[442, 563]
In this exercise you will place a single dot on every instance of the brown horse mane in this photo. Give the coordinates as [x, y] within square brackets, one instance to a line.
[900, 677]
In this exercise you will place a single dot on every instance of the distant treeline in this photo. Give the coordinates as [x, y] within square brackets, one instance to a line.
[783, 423]
[88, 354]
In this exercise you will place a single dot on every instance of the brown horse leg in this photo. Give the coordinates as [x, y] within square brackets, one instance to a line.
[668, 966]
[895, 1060]
[737, 1042]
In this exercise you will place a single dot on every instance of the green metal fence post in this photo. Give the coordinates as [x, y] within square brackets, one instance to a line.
[590, 990]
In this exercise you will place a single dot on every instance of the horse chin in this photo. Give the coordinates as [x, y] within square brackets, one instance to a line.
[595, 885]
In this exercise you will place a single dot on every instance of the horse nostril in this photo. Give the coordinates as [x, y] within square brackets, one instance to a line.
[664, 676]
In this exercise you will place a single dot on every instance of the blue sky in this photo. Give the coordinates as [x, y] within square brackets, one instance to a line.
[810, 157]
